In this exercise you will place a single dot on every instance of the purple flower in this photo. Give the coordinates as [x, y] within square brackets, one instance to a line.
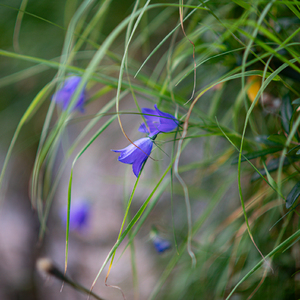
[136, 156]
[64, 95]
[160, 244]
[157, 121]
[79, 215]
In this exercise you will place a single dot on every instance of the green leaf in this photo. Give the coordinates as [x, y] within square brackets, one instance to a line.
[286, 113]
[271, 167]
[272, 182]
[255, 154]
[293, 118]
[264, 139]
[242, 3]
[293, 195]
[294, 151]
[277, 138]
[296, 101]
[276, 250]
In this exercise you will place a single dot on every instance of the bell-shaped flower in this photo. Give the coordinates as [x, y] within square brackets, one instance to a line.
[136, 156]
[160, 244]
[157, 122]
[64, 95]
[79, 215]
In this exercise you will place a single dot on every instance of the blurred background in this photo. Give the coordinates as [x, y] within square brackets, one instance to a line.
[98, 182]
[236, 45]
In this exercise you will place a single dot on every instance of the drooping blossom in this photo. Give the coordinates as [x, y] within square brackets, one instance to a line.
[160, 244]
[79, 215]
[64, 95]
[157, 121]
[136, 156]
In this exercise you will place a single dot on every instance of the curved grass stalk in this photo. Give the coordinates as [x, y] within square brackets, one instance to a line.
[284, 152]
[260, 20]
[190, 41]
[107, 80]
[71, 180]
[35, 104]
[150, 207]
[185, 128]
[18, 25]
[32, 15]
[130, 225]
[158, 188]
[261, 262]
[216, 198]
[187, 204]
[83, 37]
[151, 28]
[84, 132]
[121, 230]
[271, 186]
[124, 58]
[257, 57]
[161, 189]
[53, 139]
[265, 83]
[166, 37]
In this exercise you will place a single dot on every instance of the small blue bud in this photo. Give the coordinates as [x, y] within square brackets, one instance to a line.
[79, 215]
[160, 244]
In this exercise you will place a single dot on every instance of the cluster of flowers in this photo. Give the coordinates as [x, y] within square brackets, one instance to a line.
[137, 153]
[156, 122]
[80, 221]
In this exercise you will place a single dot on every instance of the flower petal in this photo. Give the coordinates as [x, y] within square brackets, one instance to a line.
[142, 157]
[161, 245]
[152, 119]
[158, 121]
[168, 122]
[136, 156]
[126, 154]
[137, 165]
[79, 215]
[143, 128]
[150, 114]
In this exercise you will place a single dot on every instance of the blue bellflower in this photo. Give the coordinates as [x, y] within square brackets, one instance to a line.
[160, 244]
[136, 156]
[79, 215]
[157, 121]
[64, 95]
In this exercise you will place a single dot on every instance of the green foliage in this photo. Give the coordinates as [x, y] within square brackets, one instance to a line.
[229, 71]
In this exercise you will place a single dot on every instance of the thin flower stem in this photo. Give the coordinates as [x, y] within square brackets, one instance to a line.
[124, 220]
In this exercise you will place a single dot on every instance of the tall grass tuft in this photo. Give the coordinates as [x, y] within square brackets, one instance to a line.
[224, 183]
